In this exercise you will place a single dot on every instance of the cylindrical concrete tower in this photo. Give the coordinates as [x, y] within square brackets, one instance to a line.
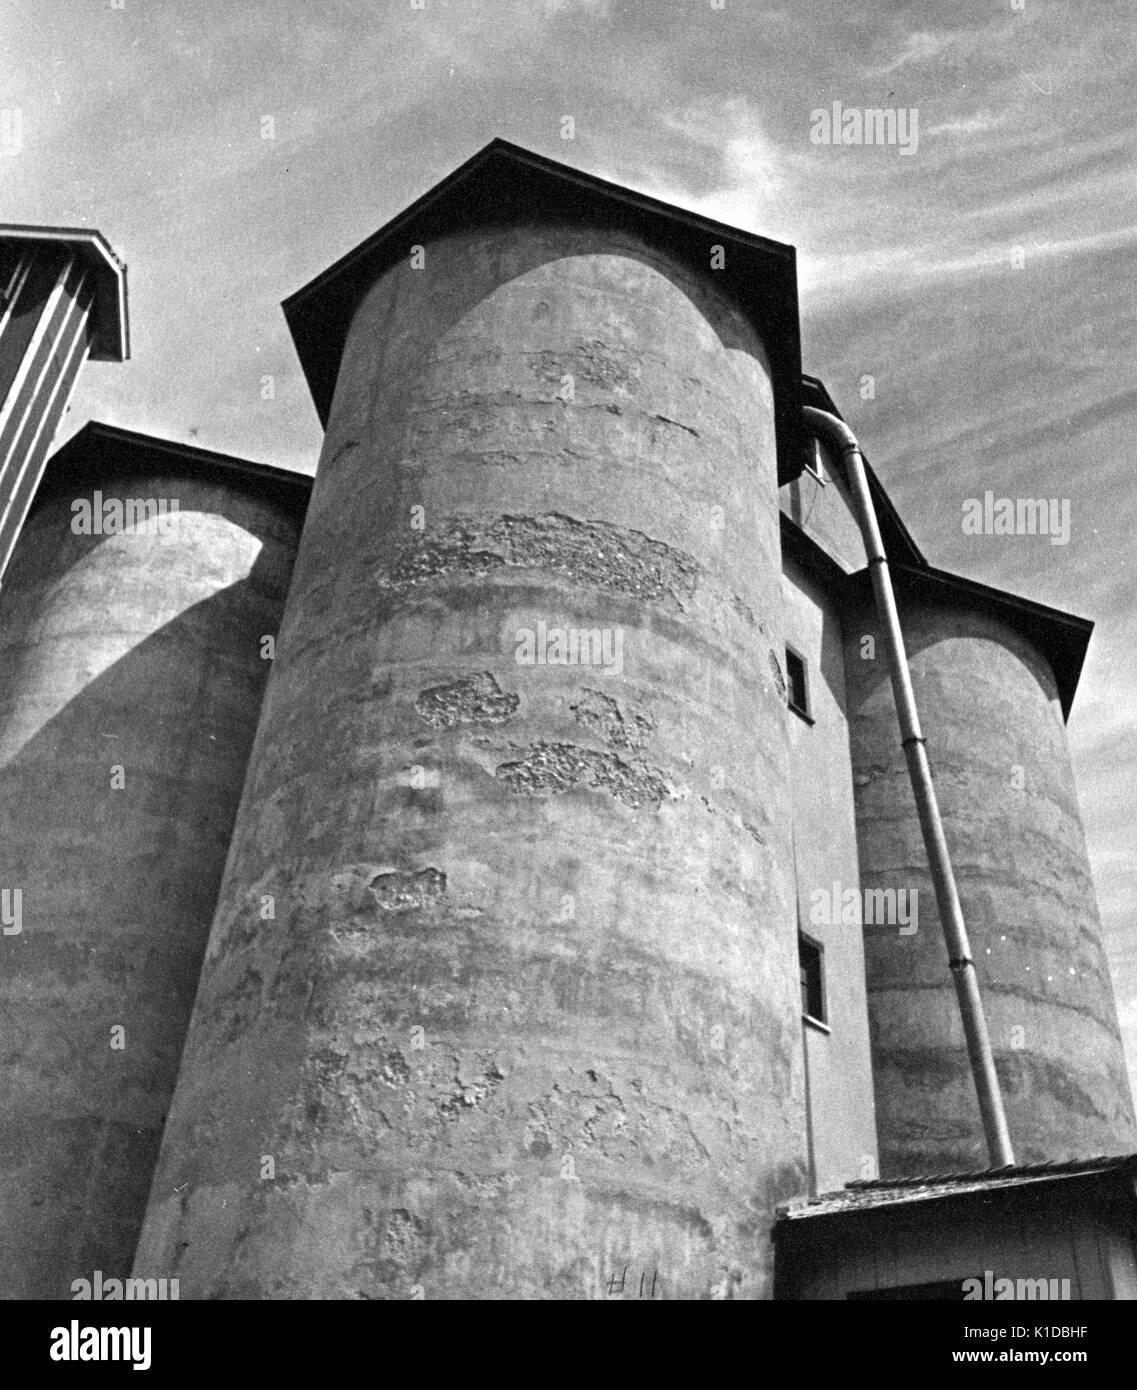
[131, 676]
[996, 740]
[524, 1021]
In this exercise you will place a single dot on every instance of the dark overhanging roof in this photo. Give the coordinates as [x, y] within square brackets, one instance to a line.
[1062, 638]
[504, 182]
[125, 452]
[110, 323]
[899, 544]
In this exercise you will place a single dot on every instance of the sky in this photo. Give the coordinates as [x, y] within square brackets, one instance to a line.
[985, 281]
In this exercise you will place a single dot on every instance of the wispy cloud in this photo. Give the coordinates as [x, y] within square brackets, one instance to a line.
[146, 122]
[981, 121]
[921, 47]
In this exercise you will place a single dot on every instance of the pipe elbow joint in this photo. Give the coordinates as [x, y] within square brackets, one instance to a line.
[833, 431]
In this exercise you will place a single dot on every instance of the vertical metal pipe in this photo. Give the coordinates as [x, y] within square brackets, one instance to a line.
[842, 439]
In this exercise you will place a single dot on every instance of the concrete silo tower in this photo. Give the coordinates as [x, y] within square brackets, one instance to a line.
[994, 676]
[131, 674]
[502, 993]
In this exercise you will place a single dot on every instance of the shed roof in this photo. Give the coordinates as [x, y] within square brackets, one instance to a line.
[867, 1196]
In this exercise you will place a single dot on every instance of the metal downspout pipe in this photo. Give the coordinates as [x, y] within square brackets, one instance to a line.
[838, 435]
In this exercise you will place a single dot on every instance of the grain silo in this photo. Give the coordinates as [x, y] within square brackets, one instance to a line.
[994, 676]
[502, 994]
[132, 668]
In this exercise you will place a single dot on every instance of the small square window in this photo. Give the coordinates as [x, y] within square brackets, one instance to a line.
[797, 683]
[810, 959]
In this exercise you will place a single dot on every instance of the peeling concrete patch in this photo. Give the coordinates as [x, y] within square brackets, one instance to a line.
[735, 819]
[606, 1124]
[598, 364]
[471, 700]
[470, 1096]
[753, 831]
[488, 1187]
[601, 715]
[585, 552]
[588, 360]
[401, 891]
[395, 1070]
[549, 768]
[458, 550]
[536, 1143]
[779, 679]
[403, 1242]
[666, 419]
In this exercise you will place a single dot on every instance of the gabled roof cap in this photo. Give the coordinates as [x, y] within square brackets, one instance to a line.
[504, 183]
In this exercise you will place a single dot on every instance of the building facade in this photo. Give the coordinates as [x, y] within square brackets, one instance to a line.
[489, 868]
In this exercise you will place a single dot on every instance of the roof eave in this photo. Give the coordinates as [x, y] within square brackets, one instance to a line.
[135, 452]
[319, 314]
[812, 1210]
[110, 322]
[1062, 638]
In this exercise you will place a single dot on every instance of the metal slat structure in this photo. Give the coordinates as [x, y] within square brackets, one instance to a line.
[62, 301]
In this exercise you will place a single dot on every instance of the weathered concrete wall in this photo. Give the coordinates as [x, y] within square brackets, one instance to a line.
[997, 747]
[528, 1010]
[842, 1124]
[140, 652]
